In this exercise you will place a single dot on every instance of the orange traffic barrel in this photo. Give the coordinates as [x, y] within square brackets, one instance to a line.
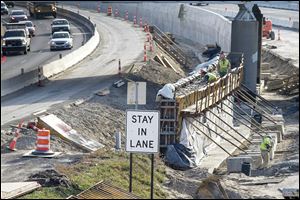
[109, 10]
[43, 142]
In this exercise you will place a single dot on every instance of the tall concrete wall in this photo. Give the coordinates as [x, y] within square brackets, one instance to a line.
[196, 24]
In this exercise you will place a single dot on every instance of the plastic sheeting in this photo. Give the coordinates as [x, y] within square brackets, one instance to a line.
[167, 91]
[206, 64]
[193, 145]
[180, 157]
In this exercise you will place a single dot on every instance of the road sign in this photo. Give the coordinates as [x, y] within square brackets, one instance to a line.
[132, 93]
[142, 131]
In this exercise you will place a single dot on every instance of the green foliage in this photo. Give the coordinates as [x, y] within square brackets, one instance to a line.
[109, 166]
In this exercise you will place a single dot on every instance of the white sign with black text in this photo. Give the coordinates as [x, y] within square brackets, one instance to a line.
[142, 131]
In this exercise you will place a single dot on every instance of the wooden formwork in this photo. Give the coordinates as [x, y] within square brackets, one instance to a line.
[196, 102]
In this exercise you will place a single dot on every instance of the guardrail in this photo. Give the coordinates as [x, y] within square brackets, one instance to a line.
[57, 66]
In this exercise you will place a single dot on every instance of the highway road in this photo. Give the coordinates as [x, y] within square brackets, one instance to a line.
[118, 40]
[39, 51]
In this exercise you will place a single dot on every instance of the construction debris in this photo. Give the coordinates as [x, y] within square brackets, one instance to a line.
[50, 178]
[61, 129]
[103, 190]
[13, 190]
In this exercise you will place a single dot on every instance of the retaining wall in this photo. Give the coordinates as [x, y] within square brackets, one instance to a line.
[195, 23]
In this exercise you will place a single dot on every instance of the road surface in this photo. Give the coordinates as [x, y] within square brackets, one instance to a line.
[118, 40]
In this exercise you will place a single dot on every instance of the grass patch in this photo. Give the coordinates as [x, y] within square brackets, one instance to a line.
[109, 166]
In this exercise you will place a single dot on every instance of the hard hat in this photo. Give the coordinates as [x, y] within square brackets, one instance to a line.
[203, 70]
[222, 54]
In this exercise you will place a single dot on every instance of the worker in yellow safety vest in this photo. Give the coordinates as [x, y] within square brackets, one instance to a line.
[265, 148]
[223, 65]
[209, 77]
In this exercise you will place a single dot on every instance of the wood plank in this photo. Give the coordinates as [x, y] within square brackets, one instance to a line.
[66, 132]
[16, 189]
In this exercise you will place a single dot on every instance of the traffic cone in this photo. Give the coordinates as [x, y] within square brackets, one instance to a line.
[278, 34]
[145, 56]
[119, 69]
[12, 145]
[141, 22]
[151, 46]
[126, 16]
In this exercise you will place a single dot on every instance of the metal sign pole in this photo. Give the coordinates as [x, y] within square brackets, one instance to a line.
[130, 166]
[152, 174]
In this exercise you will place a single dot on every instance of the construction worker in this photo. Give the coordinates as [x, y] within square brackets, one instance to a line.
[209, 77]
[223, 65]
[265, 148]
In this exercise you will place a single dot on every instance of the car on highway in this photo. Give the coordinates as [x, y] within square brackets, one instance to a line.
[30, 26]
[4, 9]
[39, 9]
[10, 4]
[17, 15]
[61, 40]
[60, 25]
[15, 40]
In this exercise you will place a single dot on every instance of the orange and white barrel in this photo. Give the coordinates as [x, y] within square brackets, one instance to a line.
[43, 142]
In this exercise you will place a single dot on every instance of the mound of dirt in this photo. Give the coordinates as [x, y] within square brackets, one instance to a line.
[50, 178]
[156, 73]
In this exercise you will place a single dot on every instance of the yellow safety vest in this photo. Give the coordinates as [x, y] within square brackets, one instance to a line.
[266, 142]
[223, 65]
[211, 77]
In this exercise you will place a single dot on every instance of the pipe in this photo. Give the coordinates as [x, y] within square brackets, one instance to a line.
[220, 136]
[254, 100]
[256, 107]
[209, 137]
[229, 127]
[245, 118]
[266, 115]
[262, 98]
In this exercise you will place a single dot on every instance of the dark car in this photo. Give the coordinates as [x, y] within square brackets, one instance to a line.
[9, 3]
[4, 9]
[18, 15]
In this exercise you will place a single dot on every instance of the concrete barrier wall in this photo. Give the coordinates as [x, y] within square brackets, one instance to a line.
[196, 24]
[55, 67]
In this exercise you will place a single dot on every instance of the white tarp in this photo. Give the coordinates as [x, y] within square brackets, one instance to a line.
[167, 91]
[206, 64]
[193, 139]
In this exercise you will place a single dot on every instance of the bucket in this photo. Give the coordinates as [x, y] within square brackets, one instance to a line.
[258, 118]
[246, 168]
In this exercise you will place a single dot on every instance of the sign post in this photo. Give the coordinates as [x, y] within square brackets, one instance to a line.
[142, 128]
[142, 136]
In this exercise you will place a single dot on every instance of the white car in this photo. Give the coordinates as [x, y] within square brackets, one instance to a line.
[60, 25]
[61, 40]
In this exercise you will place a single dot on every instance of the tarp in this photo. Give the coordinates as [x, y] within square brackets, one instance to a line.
[206, 64]
[167, 91]
[192, 147]
[179, 157]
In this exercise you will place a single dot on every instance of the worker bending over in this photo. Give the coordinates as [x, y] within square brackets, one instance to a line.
[224, 65]
[209, 77]
[265, 148]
